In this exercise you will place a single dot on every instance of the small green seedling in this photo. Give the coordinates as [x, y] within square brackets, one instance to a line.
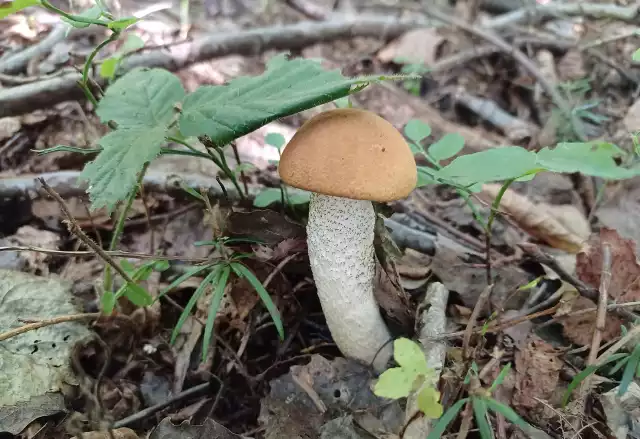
[412, 376]
[285, 195]
[132, 291]
[481, 403]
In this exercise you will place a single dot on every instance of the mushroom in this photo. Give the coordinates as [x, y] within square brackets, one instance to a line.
[348, 158]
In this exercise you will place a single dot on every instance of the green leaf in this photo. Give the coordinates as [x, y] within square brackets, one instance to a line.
[162, 265]
[137, 295]
[93, 13]
[616, 367]
[416, 149]
[416, 130]
[409, 355]
[131, 44]
[629, 371]
[425, 177]
[243, 271]
[193, 300]
[636, 55]
[494, 164]
[243, 167]
[531, 285]
[108, 67]
[188, 274]
[275, 139]
[127, 266]
[500, 378]
[267, 196]
[448, 146]
[507, 412]
[480, 412]
[585, 373]
[112, 175]
[394, 383]
[8, 8]
[108, 302]
[141, 103]
[227, 112]
[122, 23]
[142, 98]
[441, 426]
[429, 402]
[596, 159]
[218, 293]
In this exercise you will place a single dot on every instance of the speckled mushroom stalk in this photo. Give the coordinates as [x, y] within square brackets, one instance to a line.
[348, 158]
[340, 235]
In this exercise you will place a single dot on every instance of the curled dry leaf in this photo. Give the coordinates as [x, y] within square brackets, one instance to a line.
[537, 373]
[564, 231]
[625, 269]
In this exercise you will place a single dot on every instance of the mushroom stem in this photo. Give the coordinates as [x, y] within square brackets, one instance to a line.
[340, 236]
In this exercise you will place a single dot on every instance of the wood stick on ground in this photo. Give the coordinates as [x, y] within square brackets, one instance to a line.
[520, 57]
[43, 94]
[77, 230]
[49, 322]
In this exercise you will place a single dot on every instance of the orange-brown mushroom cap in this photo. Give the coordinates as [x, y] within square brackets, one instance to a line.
[349, 153]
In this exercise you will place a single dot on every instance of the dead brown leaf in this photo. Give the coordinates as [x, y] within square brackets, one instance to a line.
[561, 228]
[416, 46]
[268, 226]
[537, 373]
[579, 328]
[625, 269]
[30, 236]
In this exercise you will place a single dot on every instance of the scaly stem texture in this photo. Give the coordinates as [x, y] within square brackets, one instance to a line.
[340, 235]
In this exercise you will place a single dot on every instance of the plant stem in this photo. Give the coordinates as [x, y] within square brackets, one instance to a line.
[239, 162]
[71, 17]
[465, 196]
[221, 162]
[89, 62]
[117, 232]
[492, 216]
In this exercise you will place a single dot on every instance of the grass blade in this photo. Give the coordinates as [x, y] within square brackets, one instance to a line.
[584, 374]
[503, 373]
[629, 371]
[194, 298]
[444, 421]
[213, 308]
[190, 273]
[508, 413]
[480, 412]
[242, 271]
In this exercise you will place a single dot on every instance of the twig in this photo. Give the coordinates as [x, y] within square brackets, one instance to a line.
[142, 414]
[243, 177]
[309, 8]
[115, 254]
[601, 316]
[554, 9]
[466, 340]
[591, 293]
[41, 94]
[521, 58]
[49, 322]
[465, 424]
[76, 230]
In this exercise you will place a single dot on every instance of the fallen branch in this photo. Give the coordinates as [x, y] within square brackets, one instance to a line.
[432, 323]
[42, 94]
[526, 63]
[539, 12]
[49, 322]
